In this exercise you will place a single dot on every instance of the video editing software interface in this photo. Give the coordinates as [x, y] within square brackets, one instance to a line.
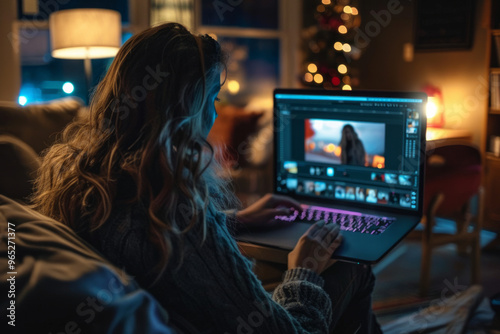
[349, 148]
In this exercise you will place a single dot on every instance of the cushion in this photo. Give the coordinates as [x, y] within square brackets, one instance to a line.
[232, 132]
[37, 124]
[18, 167]
[57, 283]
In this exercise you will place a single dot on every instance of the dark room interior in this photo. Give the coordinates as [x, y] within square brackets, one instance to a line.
[179, 166]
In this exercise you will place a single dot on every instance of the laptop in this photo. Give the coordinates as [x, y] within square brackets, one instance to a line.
[354, 158]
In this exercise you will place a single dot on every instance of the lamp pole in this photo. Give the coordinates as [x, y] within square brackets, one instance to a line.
[87, 63]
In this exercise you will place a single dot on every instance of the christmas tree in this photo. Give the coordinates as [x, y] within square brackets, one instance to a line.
[328, 44]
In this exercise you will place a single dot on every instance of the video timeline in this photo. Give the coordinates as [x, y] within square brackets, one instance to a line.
[353, 193]
[294, 182]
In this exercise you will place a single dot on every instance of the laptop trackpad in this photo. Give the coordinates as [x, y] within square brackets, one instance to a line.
[285, 238]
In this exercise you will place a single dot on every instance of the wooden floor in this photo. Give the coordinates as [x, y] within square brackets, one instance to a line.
[396, 289]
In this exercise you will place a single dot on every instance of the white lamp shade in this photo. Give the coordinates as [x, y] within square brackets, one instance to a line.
[85, 33]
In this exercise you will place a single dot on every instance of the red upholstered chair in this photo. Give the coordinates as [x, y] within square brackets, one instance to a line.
[453, 178]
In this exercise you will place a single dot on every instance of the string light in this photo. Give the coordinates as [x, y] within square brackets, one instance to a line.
[331, 77]
[318, 78]
[312, 68]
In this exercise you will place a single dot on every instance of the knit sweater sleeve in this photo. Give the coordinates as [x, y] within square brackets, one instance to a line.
[217, 291]
[298, 305]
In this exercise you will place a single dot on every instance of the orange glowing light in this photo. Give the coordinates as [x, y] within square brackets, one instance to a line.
[435, 106]
[378, 161]
[330, 148]
[338, 151]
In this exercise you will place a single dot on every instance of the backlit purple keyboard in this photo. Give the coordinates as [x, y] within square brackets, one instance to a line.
[348, 221]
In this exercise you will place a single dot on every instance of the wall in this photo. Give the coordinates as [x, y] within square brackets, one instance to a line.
[461, 75]
[10, 68]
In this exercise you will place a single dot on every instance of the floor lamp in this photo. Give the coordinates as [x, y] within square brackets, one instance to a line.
[85, 33]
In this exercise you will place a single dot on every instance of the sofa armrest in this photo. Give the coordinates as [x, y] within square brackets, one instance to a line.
[58, 283]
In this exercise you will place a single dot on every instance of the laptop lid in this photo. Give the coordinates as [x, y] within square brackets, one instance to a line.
[363, 149]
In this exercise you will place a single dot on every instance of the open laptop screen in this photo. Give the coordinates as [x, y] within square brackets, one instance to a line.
[352, 147]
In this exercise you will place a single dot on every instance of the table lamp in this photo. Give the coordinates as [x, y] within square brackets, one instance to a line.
[435, 106]
[85, 33]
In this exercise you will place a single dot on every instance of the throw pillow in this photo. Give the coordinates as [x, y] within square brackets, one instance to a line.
[232, 133]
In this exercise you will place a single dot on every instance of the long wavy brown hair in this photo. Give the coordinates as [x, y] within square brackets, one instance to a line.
[353, 150]
[145, 136]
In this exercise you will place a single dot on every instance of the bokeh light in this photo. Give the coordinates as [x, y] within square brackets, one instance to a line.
[233, 86]
[312, 68]
[22, 100]
[318, 78]
[68, 87]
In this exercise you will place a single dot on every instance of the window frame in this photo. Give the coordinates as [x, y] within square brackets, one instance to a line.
[288, 34]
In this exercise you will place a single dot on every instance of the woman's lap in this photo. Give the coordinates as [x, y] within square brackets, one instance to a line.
[350, 286]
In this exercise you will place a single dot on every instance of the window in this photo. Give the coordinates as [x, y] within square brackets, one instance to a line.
[260, 36]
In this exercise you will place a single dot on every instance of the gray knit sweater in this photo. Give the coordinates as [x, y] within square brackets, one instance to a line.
[214, 288]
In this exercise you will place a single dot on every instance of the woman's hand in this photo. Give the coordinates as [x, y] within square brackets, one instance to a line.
[262, 213]
[315, 248]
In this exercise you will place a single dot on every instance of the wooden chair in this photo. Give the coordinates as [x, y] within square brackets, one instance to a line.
[453, 178]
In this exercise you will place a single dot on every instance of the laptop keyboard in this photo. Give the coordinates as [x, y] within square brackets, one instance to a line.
[348, 221]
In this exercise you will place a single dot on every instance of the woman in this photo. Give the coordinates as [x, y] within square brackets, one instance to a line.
[137, 181]
[353, 150]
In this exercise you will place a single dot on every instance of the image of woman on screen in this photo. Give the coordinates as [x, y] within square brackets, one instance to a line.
[353, 150]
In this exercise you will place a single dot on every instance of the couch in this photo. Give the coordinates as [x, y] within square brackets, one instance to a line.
[242, 136]
[55, 282]
[24, 133]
